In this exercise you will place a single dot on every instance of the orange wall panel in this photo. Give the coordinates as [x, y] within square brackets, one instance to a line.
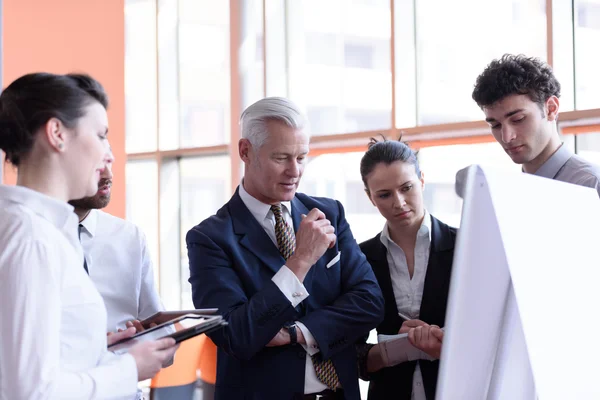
[62, 36]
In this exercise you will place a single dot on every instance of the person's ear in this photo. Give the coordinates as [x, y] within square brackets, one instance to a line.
[552, 105]
[54, 131]
[244, 148]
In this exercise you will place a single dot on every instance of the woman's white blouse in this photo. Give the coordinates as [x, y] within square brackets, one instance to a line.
[52, 318]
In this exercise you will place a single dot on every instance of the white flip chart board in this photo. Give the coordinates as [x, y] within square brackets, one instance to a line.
[524, 296]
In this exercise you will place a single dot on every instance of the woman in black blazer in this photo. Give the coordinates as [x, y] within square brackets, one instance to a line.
[412, 260]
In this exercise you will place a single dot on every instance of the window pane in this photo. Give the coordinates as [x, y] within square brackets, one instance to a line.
[569, 141]
[140, 76]
[441, 163]
[204, 72]
[588, 147]
[276, 28]
[405, 62]
[168, 78]
[142, 203]
[170, 275]
[587, 62]
[337, 176]
[251, 52]
[205, 188]
[339, 64]
[563, 50]
[453, 51]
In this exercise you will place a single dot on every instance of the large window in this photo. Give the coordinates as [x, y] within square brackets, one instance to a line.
[454, 47]
[140, 76]
[356, 67]
[204, 72]
[205, 187]
[142, 202]
[178, 90]
[339, 64]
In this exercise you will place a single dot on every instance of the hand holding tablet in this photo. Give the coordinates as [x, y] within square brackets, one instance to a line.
[180, 329]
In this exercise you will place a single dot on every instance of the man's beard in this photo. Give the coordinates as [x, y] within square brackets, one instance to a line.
[95, 202]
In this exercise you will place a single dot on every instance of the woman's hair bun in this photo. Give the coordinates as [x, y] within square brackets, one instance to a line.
[14, 135]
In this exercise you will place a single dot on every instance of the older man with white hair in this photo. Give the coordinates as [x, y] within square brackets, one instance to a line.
[285, 271]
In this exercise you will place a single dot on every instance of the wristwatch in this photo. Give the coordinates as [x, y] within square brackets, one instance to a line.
[293, 335]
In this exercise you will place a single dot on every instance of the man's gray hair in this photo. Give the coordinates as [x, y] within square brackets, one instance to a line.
[254, 118]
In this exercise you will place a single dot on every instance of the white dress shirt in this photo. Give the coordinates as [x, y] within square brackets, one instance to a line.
[119, 264]
[287, 282]
[409, 292]
[52, 318]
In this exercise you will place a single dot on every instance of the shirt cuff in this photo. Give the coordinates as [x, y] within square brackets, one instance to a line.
[290, 286]
[311, 346]
[413, 353]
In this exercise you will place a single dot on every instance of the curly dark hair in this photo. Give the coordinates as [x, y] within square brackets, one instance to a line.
[515, 74]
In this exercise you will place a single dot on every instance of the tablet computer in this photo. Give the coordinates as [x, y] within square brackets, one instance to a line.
[163, 316]
[180, 329]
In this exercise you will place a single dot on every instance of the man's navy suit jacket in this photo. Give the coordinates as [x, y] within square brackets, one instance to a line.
[232, 260]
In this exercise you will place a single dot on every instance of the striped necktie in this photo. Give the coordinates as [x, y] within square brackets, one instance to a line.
[286, 239]
[286, 242]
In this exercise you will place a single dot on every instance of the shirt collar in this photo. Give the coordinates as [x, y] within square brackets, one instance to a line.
[259, 209]
[550, 168]
[424, 230]
[90, 222]
[57, 212]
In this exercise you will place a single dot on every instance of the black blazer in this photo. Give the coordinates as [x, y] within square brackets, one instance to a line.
[398, 379]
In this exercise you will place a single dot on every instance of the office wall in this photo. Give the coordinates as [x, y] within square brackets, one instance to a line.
[63, 36]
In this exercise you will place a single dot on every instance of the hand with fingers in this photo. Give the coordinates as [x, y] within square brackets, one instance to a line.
[314, 236]
[150, 356]
[135, 323]
[114, 337]
[409, 324]
[133, 327]
[427, 338]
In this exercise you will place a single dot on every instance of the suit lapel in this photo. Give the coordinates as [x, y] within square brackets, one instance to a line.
[437, 278]
[253, 236]
[298, 208]
[378, 256]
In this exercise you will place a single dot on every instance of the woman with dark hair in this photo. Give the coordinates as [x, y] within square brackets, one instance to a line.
[53, 320]
[412, 260]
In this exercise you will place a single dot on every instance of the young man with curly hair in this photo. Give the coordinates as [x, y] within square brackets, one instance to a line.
[520, 99]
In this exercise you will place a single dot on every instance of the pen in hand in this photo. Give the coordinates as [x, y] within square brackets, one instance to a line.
[404, 316]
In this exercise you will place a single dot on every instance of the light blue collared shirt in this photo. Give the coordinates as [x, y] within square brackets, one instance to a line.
[566, 166]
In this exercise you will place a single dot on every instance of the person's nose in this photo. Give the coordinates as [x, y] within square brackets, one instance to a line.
[399, 200]
[107, 171]
[508, 133]
[293, 169]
